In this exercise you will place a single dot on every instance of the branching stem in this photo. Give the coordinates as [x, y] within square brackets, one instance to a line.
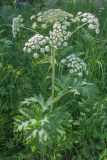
[79, 28]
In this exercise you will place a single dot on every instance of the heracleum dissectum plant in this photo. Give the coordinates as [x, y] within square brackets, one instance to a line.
[44, 124]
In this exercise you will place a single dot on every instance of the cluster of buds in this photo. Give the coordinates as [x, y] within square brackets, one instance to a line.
[16, 25]
[90, 19]
[59, 35]
[37, 44]
[75, 65]
[53, 15]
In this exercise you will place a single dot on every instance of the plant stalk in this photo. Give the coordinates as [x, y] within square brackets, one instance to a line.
[32, 30]
[53, 74]
[78, 28]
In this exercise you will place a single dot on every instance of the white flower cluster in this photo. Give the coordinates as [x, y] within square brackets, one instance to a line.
[75, 65]
[91, 20]
[36, 44]
[59, 35]
[17, 23]
[54, 15]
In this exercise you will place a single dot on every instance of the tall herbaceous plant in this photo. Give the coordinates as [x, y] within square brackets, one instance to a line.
[46, 124]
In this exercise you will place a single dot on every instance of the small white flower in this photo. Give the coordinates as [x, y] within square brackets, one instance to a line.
[55, 26]
[21, 25]
[84, 20]
[69, 34]
[79, 13]
[24, 49]
[80, 74]
[65, 44]
[61, 39]
[73, 20]
[97, 31]
[54, 42]
[73, 62]
[47, 38]
[19, 16]
[64, 32]
[34, 25]
[59, 26]
[26, 44]
[37, 47]
[53, 37]
[29, 45]
[29, 50]
[75, 70]
[50, 42]
[67, 23]
[47, 48]
[59, 44]
[39, 14]
[64, 27]
[69, 65]
[90, 21]
[63, 60]
[91, 26]
[21, 20]
[33, 47]
[80, 67]
[39, 19]
[71, 71]
[32, 17]
[42, 50]
[84, 14]
[41, 43]
[35, 55]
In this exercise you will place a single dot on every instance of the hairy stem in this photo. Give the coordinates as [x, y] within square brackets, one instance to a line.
[53, 74]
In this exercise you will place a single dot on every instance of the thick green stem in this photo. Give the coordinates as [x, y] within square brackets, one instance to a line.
[53, 74]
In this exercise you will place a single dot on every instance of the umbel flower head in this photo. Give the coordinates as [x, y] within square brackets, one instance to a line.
[37, 44]
[75, 65]
[59, 35]
[16, 25]
[53, 15]
[90, 19]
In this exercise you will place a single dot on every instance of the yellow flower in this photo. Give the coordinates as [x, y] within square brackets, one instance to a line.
[10, 68]
[18, 73]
